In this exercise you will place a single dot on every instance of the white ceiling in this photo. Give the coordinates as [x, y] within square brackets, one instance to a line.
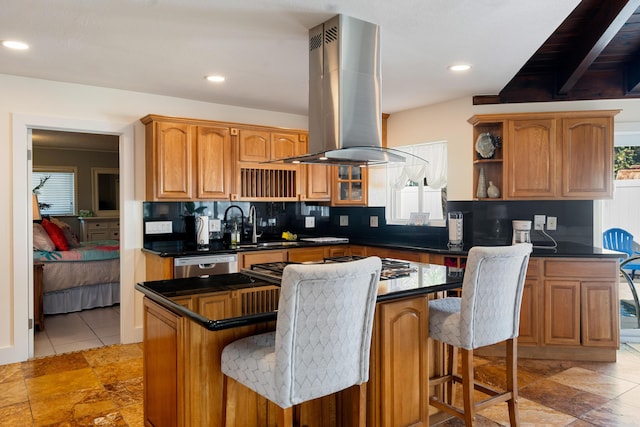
[166, 47]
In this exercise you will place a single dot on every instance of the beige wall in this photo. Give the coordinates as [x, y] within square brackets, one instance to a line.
[448, 121]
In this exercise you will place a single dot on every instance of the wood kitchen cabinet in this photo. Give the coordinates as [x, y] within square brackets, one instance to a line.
[318, 182]
[349, 186]
[258, 180]
[581, 303]
[400, 372]
[569, 310]
[187, 160]
[548, 156]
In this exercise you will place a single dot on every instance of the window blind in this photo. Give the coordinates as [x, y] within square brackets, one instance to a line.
[59, 192]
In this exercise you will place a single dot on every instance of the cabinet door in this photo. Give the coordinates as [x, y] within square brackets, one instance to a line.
[530, 152]
[404, 379]
[249, 258]
[318, 182]
[350, 186]
[587, 158]
[285, 145]
[562, 312]
[173, 160]
[600, 318]
[529, 310]
[254, 145]
[308, 254]
[213, 153]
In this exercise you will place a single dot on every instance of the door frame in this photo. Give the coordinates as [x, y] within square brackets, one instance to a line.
[22, 242]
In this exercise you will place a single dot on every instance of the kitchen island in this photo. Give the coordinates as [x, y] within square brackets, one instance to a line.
[187, 323]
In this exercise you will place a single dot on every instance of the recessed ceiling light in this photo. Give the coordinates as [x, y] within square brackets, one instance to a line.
[460, 67]
[215, 79]
[14, 44]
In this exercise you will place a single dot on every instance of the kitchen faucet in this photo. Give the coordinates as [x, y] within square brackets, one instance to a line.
[253, 220]
[241, 218]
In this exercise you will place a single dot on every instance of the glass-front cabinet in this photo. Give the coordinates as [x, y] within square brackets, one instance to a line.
[350, 184]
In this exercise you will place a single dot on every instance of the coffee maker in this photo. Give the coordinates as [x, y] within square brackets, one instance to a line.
[521, 231]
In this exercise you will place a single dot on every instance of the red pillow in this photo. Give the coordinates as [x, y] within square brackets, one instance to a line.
[56, 234]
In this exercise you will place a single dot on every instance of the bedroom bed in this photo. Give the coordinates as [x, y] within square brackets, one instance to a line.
[81, 277]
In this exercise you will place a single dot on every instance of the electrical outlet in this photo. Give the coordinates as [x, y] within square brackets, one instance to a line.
[373, 221]
[538, 222]
[158, 227]
[309, 221]
[344, 220]
[552, 223]
[215, 225]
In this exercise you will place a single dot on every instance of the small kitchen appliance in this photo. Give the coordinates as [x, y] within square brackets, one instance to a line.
[455, 230]
[521, 231]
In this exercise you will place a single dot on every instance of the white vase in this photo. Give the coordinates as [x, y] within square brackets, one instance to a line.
[481, 191]
[493, 191]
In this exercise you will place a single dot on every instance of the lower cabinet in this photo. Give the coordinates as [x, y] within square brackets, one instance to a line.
[183, 380]
[569, 310]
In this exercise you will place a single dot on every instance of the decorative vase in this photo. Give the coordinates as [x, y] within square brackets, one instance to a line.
[481, 192]
[493, 191]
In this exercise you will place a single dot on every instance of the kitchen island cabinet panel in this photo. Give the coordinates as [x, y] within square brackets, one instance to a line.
[163, 373]
[403, 372]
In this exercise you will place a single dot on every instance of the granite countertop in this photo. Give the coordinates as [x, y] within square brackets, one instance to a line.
[177, 248]
[427, 278]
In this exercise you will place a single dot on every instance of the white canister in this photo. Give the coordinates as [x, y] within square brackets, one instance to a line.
[202, 232]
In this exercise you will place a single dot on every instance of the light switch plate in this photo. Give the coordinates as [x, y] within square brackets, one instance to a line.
[309, 221]
[344, 220]
[373, 221]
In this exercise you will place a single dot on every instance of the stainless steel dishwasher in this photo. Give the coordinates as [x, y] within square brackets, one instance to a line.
[204, 265]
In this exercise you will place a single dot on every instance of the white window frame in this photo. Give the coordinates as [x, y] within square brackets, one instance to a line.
[61, 169]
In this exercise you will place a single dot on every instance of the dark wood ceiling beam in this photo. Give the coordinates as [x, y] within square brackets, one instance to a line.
[597, 35]
[633, 77]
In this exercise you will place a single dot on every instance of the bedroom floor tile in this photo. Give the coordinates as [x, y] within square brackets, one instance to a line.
[78, 331]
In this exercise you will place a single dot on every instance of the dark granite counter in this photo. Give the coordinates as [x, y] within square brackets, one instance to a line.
[564, 249]
[427, 278]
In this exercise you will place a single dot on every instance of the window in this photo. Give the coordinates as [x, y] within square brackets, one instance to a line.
[58, 194]
[416, 186]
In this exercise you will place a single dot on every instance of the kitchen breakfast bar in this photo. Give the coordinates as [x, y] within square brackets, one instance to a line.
[187, 323]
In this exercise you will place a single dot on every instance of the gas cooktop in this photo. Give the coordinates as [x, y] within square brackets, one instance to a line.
[391, 268]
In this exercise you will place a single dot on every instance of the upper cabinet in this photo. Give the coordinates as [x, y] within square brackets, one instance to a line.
[546, 156]
[256, 178]
[349, 186]
[186, 161]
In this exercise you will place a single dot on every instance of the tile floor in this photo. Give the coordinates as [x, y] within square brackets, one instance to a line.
[103, 386]
[64, 333]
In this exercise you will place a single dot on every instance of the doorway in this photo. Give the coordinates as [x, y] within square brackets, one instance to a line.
[81, 302]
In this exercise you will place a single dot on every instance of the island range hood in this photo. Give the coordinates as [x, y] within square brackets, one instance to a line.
[345, 117]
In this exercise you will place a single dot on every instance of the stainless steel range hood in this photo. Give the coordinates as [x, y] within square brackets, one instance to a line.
[345, 117]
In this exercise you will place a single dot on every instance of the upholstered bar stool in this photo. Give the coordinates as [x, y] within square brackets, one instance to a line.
[488, 312]
[321, 343]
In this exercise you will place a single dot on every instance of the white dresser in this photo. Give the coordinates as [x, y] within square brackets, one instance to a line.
[99, 228]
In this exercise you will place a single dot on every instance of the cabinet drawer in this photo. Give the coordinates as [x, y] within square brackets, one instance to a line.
[103, 225]
[581, 268]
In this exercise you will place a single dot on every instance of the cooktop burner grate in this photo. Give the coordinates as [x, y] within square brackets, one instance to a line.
[391, 268]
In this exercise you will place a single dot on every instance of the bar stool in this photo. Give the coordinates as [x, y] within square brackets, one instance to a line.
[321, 343]
[488, 312]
